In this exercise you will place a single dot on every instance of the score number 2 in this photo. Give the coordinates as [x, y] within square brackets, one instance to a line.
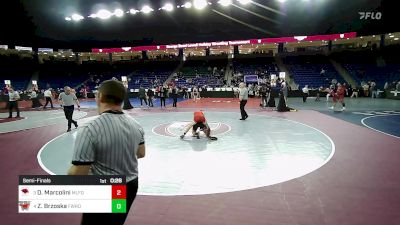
[118, 192]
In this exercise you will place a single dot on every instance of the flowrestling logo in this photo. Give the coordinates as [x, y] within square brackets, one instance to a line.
[370, 15]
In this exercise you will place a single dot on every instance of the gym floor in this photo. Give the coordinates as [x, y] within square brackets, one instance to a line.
[313, 166]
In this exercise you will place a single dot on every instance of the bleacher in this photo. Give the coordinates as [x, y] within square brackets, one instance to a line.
[366, 65]
[59, 74]
[255, 66]
[370, 72]
[151, 73]
[378, 65]
[201, 73]
[16, 69]
[306, 70]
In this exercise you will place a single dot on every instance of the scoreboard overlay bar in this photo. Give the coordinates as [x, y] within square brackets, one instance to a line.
[71, 194]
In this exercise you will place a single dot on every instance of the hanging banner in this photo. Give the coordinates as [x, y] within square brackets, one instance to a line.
[45, 50]
[21, 48]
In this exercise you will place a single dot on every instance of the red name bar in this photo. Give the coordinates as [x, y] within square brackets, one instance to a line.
[327, 37]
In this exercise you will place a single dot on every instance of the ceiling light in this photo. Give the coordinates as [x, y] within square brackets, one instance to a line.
[133, 11]
[168, 7]
[200, 4]
[244, 2]
[118, 13]
[77, 17]
[104, 14]
[187, 5]
[147, 9]
[225, 2]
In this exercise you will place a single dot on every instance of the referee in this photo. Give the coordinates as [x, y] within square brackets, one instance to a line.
[243, 97]
[109, 145]
[67, 99]
[13, 102]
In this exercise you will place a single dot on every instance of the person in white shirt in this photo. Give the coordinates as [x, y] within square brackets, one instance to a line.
[195, 93]
[373, 91]
[48, 96]
[13, 101]
[322, 73]
[35, 100]
[285, 91]
[243, 97]
[305, 93]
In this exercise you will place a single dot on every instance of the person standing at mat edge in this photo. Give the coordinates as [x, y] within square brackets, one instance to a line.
[142, 96]
[67, 99]
[111, 144]
[48, 95]
[243, 96]
[13, 102]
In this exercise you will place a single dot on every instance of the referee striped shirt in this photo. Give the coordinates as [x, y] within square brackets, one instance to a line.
[109, 144]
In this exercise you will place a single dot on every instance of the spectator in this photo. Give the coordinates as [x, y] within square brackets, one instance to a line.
[150, 95]
[35, 100]
[48, 95]
[322, 73]
[174, 95]
[305, 93]
[142, 96]
[372, 89]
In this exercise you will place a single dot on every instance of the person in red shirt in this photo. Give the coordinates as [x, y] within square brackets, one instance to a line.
[199, 122]
[339, 95]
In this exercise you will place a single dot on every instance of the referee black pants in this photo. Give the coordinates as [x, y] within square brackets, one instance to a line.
[48, 99]
[11, 106]
[69, 111]
[113, 218]
[242, 111]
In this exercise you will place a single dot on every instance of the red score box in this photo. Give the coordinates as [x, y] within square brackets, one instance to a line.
[118, 191]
